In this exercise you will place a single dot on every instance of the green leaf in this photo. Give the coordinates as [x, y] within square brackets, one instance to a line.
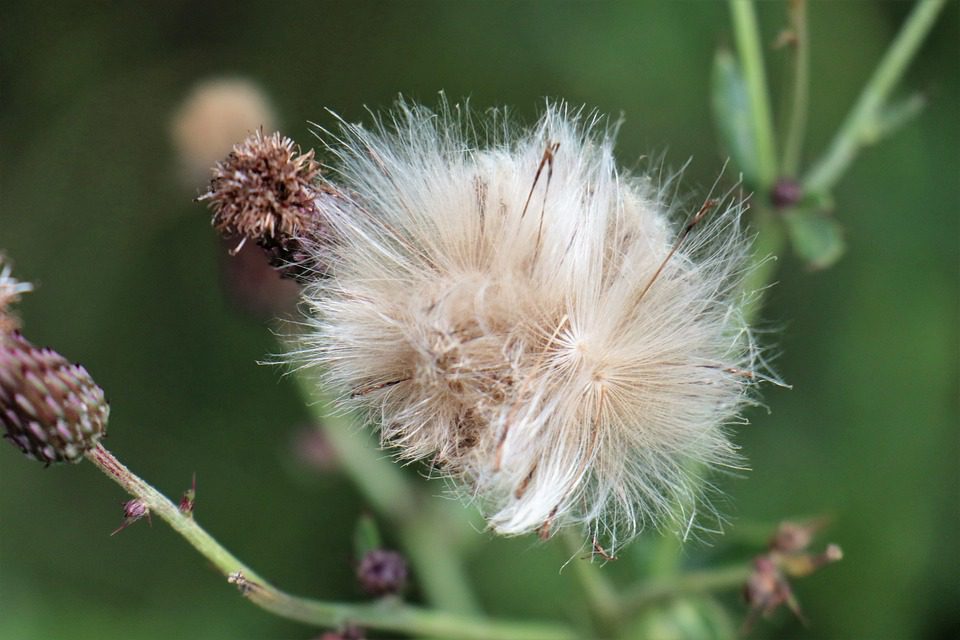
[816, 237]
[732, 114]
[366, 536]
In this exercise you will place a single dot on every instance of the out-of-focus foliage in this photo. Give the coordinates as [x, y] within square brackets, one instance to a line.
[129, 281]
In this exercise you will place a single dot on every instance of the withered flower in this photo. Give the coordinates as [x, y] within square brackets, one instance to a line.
[264, 191]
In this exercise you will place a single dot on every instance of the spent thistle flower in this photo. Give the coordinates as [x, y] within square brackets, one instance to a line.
[50, 408]
[510, 306]
[264, 191]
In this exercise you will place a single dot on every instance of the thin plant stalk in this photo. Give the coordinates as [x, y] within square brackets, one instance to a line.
[749, 49]
[797, 126]
[387, 615]
[708, 580]
[857, 129]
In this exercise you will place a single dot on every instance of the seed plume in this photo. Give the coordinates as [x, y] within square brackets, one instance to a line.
[538, 325]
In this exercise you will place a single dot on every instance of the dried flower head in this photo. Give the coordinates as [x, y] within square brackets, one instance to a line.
[213, 116]
[10, 291]
[264, 191]
[510, 306]
[49, 408]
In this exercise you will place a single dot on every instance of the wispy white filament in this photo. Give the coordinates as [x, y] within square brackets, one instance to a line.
[504, 304]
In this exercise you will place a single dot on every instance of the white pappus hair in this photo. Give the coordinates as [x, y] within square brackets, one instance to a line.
[511, 307]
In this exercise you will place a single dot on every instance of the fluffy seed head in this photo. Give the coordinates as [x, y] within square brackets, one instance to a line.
[49, 408]
[511, 307]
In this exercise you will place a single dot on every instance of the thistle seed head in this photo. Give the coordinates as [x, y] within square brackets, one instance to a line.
[534, 322]
[264, 191]
[49, 408]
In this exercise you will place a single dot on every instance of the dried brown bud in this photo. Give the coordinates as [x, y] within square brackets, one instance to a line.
[382, 572]
[264, 191]
[767, 589]
[792, 537]
[51, 409]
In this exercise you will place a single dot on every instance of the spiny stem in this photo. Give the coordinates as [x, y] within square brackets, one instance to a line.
[856, 129]
[796, 129]
[747, 35]
[387, 615]
[424, 532]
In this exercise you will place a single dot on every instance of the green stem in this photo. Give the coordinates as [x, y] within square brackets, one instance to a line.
[425, 533]
[659, 589]
[747, 35]
[602, 597]
[796, 129]
[387, 615]
[767, 247]
[856, 129]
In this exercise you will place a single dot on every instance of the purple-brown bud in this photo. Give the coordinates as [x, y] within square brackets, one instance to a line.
[786, 193]
[382, 572]
[51, 409]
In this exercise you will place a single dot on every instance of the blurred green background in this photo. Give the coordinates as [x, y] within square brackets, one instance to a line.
[130, 282]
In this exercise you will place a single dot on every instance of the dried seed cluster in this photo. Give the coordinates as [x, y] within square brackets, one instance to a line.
[264, 191]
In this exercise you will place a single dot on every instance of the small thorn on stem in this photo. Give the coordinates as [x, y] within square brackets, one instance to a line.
[133, 510]
[188, 500]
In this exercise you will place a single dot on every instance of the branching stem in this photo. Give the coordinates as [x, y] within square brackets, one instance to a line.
[857, 129]
[386, 615]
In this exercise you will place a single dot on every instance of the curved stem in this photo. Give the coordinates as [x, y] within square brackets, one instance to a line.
[747, 35]
[387, 615]
[856, 129]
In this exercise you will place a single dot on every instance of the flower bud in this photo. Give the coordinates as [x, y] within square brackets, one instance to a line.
[51, 409]
[382, 572]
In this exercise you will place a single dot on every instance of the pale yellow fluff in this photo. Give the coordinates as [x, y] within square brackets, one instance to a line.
[504, 304]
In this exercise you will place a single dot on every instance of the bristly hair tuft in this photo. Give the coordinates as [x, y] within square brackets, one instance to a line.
[511, 307]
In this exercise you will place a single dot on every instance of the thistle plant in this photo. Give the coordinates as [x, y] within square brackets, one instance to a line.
[562, 341]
